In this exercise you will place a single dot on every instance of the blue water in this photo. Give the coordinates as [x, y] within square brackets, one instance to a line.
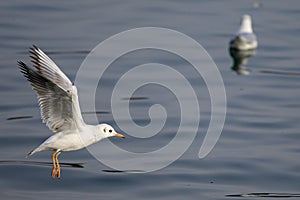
[258, 151]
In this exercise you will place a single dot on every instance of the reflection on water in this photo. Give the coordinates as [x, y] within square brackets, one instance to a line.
[123, 171]
[240, 60]
[19, 117]
[265, 194]
[23, 162]
[95, 112]
[135, 98]
[288, 73]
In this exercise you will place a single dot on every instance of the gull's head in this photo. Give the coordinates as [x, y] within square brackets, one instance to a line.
[246, 17]
[108, 131]
[246, 24]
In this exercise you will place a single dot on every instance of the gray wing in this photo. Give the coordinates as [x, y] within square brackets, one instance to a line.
[247, 37]
[48, 69]
[57, 96]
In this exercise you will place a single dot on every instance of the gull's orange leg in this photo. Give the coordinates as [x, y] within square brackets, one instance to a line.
[57, 165]
[54, 169]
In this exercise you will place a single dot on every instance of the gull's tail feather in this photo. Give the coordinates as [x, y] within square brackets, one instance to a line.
[30, 153]
[33, 151]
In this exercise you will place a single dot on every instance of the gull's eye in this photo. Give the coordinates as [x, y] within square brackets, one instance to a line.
[110, 130]
[104, 130]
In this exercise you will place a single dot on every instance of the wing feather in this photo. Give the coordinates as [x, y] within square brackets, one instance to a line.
[58, 99]
[48, 69]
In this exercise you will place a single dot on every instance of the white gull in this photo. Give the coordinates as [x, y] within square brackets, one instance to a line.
[60, 110]
[244, 39]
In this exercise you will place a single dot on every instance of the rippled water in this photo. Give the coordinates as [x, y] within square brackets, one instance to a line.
[257, 154]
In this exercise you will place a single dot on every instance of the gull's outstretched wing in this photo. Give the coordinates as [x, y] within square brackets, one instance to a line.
[57, 96]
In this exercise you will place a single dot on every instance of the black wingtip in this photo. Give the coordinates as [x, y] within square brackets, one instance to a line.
[32, 50]
[21, 64]
[35, 47]
[23, 67]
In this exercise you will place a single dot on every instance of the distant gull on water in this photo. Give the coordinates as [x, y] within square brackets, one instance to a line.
[244, 39]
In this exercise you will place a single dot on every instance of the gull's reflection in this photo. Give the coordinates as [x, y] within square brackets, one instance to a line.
[23, 162]
[240, 60]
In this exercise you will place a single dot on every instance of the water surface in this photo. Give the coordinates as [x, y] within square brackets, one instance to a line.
[258, 151]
